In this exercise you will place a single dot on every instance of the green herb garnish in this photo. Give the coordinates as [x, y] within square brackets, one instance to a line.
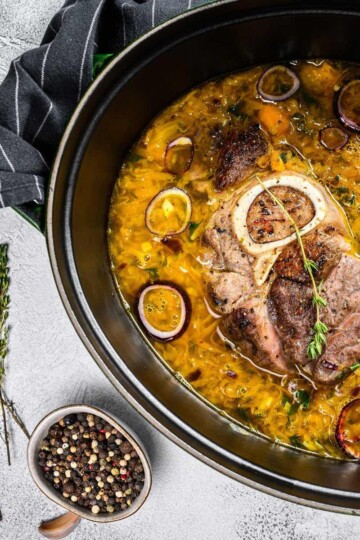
[236, 111]
[134, 158]
[244, 414]
[153, 273]
[319, 329]
[99, 62]
[193, 226]
[285, 399]
[296, 441]
[303, 398]
[348, 370]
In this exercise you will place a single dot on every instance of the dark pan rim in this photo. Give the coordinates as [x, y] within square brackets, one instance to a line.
[309, 490]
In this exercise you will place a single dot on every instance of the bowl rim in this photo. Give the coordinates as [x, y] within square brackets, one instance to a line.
[45, 487]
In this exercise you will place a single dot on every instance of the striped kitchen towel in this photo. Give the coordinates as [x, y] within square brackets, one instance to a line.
[44, 86]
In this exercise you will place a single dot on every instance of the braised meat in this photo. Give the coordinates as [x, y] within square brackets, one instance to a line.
[253, 332]
[292, 313]
[324, 247]
[294, 317]
[239, 154]
[271, 321]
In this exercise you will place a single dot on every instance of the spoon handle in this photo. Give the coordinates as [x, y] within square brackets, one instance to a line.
[59, 527]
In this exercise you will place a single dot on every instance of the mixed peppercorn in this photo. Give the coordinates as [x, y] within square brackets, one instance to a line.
[91, 463]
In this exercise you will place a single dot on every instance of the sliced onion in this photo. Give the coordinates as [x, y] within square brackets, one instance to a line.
[162, 215]
[283, 93]
[159, 292]
[348, 105]
[348, 429]
[333, 138]
[179, 155]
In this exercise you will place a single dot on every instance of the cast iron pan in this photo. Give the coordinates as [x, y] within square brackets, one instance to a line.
[140, 82]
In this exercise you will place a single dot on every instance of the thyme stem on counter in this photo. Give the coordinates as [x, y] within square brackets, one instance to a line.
[319, 331]
[4, 332]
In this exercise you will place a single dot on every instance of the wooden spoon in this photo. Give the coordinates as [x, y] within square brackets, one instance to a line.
[59, 527]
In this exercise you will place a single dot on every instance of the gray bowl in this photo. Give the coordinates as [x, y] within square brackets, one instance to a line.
[41, 431]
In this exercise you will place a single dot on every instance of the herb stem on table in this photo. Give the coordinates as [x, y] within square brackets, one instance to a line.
[4, 334]
[315, 347]
[4, 331]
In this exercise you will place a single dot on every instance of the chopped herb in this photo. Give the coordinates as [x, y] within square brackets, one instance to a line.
[341, 189]
[192, 347]
[153, 273]
[346, 371]
[296, 441]
[344, 196]
[293, 409]
[243, 414]
[99, 62]
[285, 399]
[134, 158]
[284, 157]
[236, 111]
[354, 367]
[193, 226]
[303, 398]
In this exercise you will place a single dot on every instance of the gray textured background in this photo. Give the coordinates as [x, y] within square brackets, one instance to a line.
[48, 366]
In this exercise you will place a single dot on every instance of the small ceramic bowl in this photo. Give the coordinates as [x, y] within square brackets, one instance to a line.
[41, 431]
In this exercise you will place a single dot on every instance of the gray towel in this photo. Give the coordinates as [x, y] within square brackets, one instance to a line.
[44, 85]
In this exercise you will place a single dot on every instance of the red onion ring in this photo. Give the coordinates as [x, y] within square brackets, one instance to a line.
[162, 195]
[339, 136]
[345, 119]
[185, 314]
[182, 165]
[346, 444]
[276, 98]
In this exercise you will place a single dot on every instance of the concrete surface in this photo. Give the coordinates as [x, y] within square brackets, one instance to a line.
[48, 366]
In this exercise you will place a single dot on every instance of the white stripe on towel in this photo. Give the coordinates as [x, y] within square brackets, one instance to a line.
[17, 98]
[153, 14]
[86, 47]
[1, 199]
[124, 25]
[43, 122]
[44, 64]
[7, 158]
[37, 185]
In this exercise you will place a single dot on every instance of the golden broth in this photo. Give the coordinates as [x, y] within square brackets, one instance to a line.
[285, 409]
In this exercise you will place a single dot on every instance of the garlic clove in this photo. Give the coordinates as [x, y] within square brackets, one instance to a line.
[59, 527]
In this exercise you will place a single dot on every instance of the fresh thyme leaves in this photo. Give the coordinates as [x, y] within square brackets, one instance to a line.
[4, 335]
[319, 329]
[4, 332]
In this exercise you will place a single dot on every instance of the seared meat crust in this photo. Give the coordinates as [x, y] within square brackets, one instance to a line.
[239, 155]
[321, 247]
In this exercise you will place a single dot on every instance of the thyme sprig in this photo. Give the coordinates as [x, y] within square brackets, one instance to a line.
[4, 332]
[319, 330]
